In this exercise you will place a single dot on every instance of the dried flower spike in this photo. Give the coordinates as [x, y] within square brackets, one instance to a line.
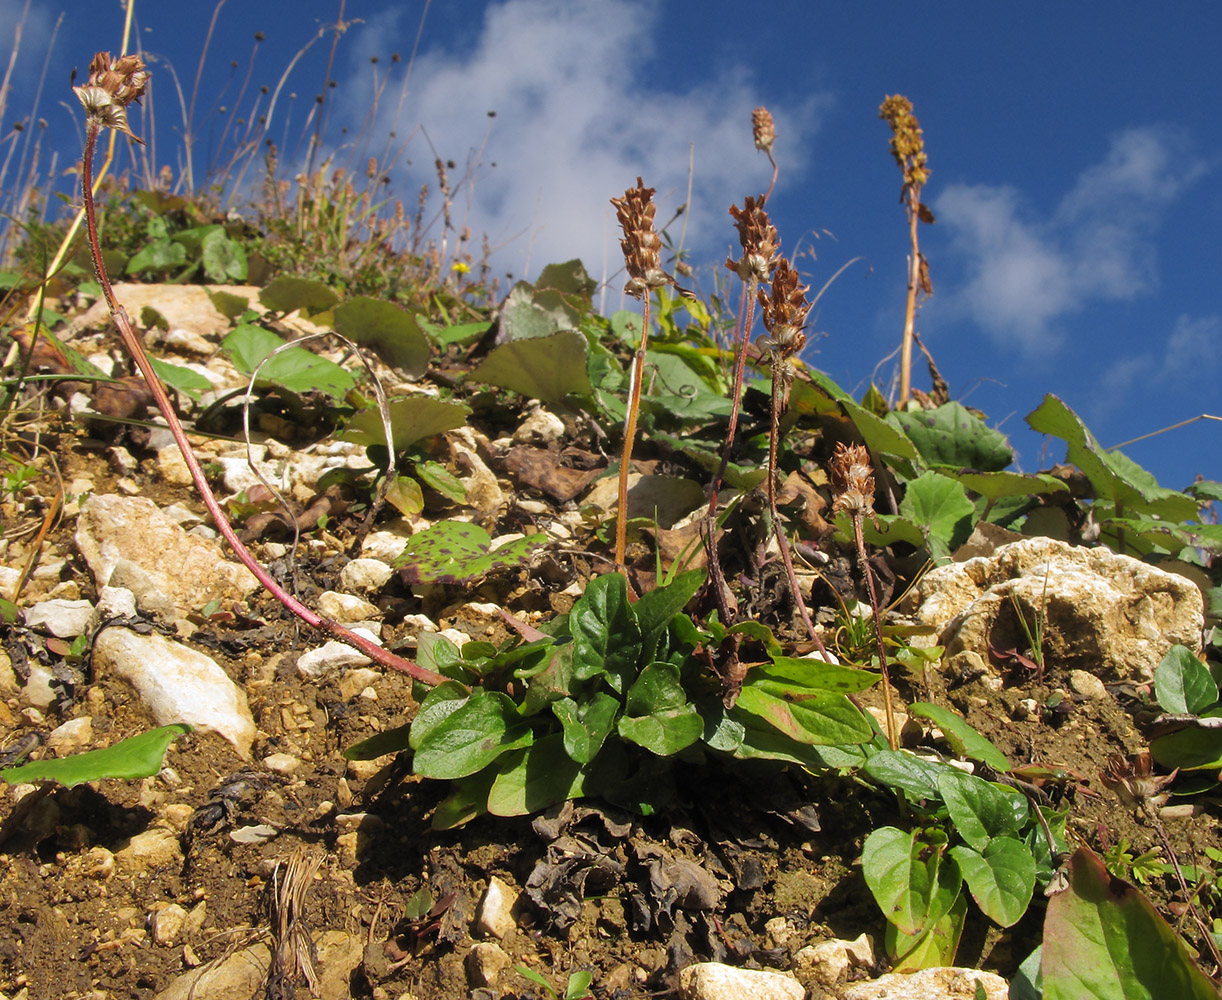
[852, 479]
[762, 129]
[642, 245]
[907, 141]
[784, 312]
[111, 87]
[759, 241]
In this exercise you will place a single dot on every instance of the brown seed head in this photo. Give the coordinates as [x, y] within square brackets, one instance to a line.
[111, 87]
[907, 144]
[642, 245]
[852, 479]
[784, 312]
[762, 129]
[759, 241]
[1134, 781]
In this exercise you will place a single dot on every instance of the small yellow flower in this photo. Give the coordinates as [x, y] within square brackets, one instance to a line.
[458, 267]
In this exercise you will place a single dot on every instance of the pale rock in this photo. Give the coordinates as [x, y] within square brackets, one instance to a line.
[1104, 612]
[386, 545]
[114, 602]
[185, 307]
[778, 931]
[98, 863]
[668, 498]
[63, 619]
[930, 984]
[333, 656]
[459, 639]
[187, 570]
[483, 491]
[365, 575]
[714, 981]
[177, 684]
[541, 427]
[239, 475]
[494, 914]
[172, 467]
[8, 679]
[485, 963]
[8, 581]
[38, 691]
[345, 608]
[355, 682]
[177, 814]
[237, 976]
[1087, 685]
[135, 579]
[71, 736]
[282, 763]
[153, 848]
[339, 953]
[166, 924]
[180, 513]
[828, 961]
[122, 461]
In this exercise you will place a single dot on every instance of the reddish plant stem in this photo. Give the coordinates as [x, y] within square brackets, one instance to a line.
[892, 735]
[130, 341]
[778, 527]
[634, 404]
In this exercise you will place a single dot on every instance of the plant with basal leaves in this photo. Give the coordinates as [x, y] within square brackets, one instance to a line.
[604, 701]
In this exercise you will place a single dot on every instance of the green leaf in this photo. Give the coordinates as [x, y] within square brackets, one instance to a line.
[1191, 748]
[880, 437]
[387, 741]
[799, 676]
[287, 293]
[1183, 684]
[1113, 475]
[463, 334]
[909, 877]
[656, 608]
[185, 380]
[442, 480]
[412, 418]
[295, 368]
[394, 334]
[911, 775]
[457, 551]
[548, 368]
[951, 434]
[228, 304]
[535, 778]
[606, 637]
[934, 947]
[942, 510]
[981, 810]
[657, 714]
[471, 736]
[1001, 878]
[1103, 940]
[586, 725]
[816, 719]
[995, 486]
[135, 757]
[224, 258]
[963, 739]
[160, 255]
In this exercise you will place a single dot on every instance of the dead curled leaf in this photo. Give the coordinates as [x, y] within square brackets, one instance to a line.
[558, 474]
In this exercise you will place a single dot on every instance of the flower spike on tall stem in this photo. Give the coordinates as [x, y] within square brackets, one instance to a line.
[852, 479]
[784, 314]
[112, 86]
[642, 259]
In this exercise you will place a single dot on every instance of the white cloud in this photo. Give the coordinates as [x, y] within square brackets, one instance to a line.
[1189, 362]
[1026, 271]
[577, 121]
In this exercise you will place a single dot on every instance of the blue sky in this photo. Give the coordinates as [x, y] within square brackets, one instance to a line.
[1074, 153]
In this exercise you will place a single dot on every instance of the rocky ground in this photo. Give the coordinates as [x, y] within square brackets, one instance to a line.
[257, 838]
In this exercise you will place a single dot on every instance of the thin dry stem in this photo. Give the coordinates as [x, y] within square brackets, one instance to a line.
[119, 88]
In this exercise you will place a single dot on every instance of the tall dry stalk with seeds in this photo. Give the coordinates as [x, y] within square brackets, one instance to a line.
[908, 148]
[763, 131]
[784, 314]
[114, 85]
[643, 260]
[852, 478]
[760, 243]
